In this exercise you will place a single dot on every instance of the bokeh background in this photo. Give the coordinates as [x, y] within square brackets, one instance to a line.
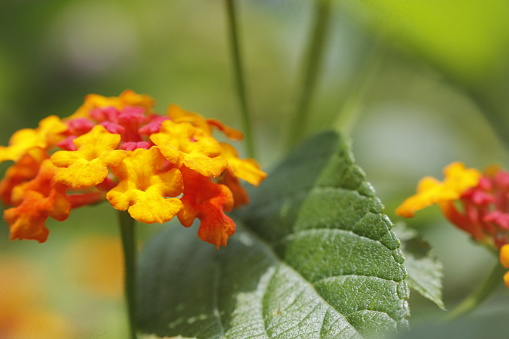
[416, 85]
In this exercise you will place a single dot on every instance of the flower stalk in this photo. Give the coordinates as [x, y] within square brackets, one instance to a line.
[127, 232]
[311, 70]
[238, 70]
[355, 97]
[478, 295]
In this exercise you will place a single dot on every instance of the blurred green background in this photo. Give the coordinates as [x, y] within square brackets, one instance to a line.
[415, 84]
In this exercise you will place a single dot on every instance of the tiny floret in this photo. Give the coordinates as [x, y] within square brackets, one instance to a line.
[88, 165]
[145, 187]
[183, 144]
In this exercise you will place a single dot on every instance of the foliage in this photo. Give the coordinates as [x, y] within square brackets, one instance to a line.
[316, 259]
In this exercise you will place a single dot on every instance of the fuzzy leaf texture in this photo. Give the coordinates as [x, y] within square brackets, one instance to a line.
[425, 271]
[313, 257]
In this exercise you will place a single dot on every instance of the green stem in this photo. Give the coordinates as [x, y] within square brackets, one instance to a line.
[238, 69]
[352, 105]
[478, 295]
[127, 232]
[312, 67]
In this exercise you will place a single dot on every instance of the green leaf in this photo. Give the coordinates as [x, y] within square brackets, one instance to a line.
[315, 259]
[425, 271]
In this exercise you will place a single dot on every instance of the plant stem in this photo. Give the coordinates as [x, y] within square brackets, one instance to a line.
[352, 106]
[127, 232]
[479, 294]
[238, 70]
[311, 70]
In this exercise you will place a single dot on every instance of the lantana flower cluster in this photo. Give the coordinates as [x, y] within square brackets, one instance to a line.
[475, 202]
[118, 149]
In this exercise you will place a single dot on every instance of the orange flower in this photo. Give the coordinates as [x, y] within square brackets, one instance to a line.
[240, 196]
[246, 169]
[24, 170]
[37, 200]
[207, 201]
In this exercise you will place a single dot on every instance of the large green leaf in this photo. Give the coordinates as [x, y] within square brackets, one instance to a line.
[315, 259]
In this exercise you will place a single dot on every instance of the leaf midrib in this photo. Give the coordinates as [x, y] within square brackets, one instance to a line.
[278, 263]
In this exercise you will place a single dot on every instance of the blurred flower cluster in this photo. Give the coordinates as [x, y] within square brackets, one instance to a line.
[24, 310]
[475, 202]
[117, 148]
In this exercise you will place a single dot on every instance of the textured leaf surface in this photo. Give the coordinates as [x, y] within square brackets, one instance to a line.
[425, 271]
[315, 259]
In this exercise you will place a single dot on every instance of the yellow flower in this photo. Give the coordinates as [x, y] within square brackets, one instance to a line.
[183, 145]
[46, 135]
[87, 166]
[246, 169]
[144, 186]
[458, 180]
[178, 115]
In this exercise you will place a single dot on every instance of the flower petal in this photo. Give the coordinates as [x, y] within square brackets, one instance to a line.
[246, 169]
[458, 179]
[87, 166]
[37, 200]
[144, 186]
[25, 169]
[183, 145]
[46, 135]
[207, 201]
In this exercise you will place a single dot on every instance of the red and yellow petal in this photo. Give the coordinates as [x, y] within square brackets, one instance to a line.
[25, 169]
[37, 200]
[207, 201]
